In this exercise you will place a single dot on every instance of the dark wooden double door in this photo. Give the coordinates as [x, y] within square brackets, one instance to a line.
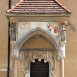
[39, 69]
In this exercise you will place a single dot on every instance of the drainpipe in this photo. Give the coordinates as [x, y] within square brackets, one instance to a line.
[8, 63]
[9, 4]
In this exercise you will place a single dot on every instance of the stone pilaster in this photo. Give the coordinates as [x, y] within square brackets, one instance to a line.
[14, 68]
[62, 67]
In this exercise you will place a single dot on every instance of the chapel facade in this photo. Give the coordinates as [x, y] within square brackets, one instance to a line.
[37, 38]
[42, 41]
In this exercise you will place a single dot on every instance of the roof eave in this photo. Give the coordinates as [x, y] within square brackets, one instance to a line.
[37, 15]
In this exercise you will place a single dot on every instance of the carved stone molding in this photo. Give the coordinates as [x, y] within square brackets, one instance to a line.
[26, 68]
[30, 56]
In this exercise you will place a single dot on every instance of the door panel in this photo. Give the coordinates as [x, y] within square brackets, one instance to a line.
[39, 69]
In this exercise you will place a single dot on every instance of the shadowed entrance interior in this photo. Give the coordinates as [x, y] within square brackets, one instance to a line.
[39, 69]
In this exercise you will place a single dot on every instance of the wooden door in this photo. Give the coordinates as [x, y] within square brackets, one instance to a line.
[39, 69]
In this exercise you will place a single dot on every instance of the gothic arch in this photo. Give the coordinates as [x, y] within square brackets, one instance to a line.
[28, 35]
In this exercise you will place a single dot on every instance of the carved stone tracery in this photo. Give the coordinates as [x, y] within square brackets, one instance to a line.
[48, 56]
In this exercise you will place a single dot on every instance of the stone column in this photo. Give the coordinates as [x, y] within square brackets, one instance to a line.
[14, 68]
[63, 42]
[52, 68]
[26, 68]
[62, 61]
[62, 67]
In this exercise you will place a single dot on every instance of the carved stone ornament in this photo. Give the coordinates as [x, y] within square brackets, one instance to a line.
[63, 33]
[12, 31]
[30, 56]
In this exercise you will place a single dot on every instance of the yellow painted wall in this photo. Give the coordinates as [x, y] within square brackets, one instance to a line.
[3, 37]
[71, 45]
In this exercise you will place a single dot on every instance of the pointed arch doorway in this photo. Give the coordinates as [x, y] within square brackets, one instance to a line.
[37, 56]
